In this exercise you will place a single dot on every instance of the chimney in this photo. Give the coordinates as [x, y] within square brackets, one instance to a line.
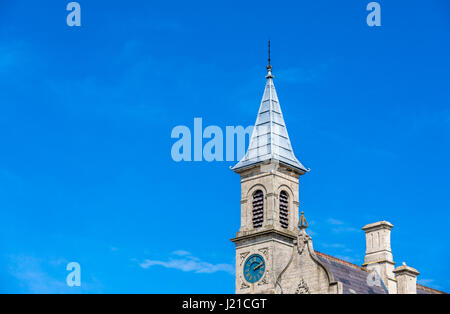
[406, 279]
[378, 253]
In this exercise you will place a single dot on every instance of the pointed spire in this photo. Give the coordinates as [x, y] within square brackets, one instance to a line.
[270, 139]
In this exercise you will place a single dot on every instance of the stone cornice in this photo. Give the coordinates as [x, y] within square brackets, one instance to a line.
[289, 235]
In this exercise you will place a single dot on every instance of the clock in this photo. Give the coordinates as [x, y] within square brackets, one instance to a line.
[254, 268]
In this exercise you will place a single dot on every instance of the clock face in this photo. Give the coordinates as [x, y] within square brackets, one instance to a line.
[254, 268]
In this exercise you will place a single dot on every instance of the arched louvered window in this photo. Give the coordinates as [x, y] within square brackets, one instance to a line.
[284, 209]
[258, 209]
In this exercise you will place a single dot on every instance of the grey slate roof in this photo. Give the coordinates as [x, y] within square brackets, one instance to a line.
[270, 139]
[353, 277]
[426, 290]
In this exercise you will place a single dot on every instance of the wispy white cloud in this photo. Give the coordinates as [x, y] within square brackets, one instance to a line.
[188, 263]
[426, 281]
[35, 275]
[340, 226]
[181, 253]
[333, 221]
[347, 258]
[344, 229]
[29, 272]
[333, 245]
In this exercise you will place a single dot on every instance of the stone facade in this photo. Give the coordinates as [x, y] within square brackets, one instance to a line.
[292, 266]
[272, 240]
[305, 273]
[272, 230]
[271, 179]
[291, 263]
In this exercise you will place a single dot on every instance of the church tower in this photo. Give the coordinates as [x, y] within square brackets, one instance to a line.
[270, 175]
[274, 252]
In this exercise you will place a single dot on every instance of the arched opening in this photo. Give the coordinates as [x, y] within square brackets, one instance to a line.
[284, 209]
[258, 209]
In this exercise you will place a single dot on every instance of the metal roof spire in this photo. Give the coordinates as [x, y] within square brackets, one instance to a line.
[270, 140]
[269, 66]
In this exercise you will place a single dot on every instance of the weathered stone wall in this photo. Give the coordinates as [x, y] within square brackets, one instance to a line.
[276, 252]
[287, 269]
[271, 182]
[305, 273]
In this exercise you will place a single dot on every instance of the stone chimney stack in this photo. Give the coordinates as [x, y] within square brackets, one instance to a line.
[406, 279]
[378, 253]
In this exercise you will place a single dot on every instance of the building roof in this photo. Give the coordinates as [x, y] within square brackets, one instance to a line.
[427, 290]
[270, 139]
[355, 278]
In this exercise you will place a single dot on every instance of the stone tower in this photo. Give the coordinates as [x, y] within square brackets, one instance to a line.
[270, 175]
[274, 252]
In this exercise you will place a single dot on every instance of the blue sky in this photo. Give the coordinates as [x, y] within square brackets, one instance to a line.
[86, 173]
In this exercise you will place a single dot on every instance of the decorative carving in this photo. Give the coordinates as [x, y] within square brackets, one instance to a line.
[263, 281]
[264, 251]
[302, 287]
[244, 285]
[243, 256]
[303, 237]
[302, 241]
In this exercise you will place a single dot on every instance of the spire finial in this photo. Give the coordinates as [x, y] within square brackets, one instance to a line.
[302, 224]
[269, 66]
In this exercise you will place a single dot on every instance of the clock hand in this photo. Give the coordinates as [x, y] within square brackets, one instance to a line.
[258, 266]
